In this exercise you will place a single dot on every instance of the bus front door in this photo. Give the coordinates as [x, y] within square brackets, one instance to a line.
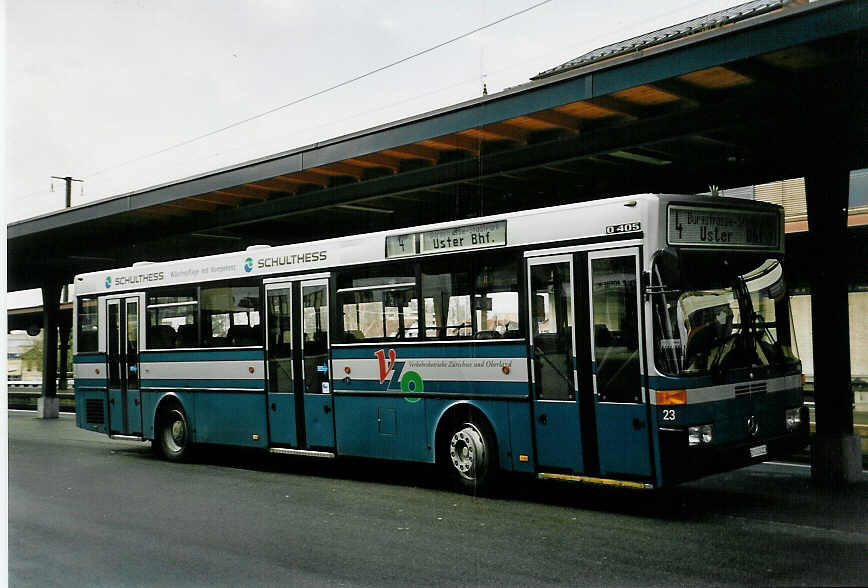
[122, 357]
[620, 399]
[300, 407]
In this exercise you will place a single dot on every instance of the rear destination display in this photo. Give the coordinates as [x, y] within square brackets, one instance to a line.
[691, 225]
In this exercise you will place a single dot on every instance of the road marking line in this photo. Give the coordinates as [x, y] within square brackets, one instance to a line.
[796, 465]
[781, 463]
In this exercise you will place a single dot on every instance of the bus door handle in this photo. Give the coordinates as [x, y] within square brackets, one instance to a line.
[327, 409]
[543, 419]
[638, 424]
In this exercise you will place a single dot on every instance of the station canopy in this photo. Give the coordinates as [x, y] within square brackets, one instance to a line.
[753, 94]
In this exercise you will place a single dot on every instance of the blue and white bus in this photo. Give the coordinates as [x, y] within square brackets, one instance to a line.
[636, 341]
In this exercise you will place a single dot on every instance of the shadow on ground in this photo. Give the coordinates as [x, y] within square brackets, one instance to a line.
[780, 493]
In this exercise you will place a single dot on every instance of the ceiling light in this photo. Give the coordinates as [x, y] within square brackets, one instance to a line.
[365, 208]
[639, 158]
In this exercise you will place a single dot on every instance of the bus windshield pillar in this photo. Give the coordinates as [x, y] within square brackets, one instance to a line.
[835, 452]
[49, 404]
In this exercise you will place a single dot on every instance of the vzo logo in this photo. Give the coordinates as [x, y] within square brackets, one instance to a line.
[248, 265]
[386, 365]
[411, 382]
[108, 281]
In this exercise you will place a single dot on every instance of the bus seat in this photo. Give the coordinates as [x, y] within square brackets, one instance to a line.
[87, 339]
[546, 342]
[603, 336]
[161, 337]
[488, 335]
[188, 336]
[355, 336]
[512, 331]
[242, 336]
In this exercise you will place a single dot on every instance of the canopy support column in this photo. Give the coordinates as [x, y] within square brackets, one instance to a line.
[49, 405]
[835, 452]
[65, 331]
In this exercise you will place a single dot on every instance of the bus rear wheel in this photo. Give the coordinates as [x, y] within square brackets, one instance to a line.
[173, 434]
[469, 457]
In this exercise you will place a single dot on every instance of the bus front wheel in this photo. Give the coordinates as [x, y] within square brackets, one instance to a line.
[174, 434]
[469, 457]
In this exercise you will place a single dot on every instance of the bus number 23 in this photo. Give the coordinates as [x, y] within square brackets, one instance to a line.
[668, 414]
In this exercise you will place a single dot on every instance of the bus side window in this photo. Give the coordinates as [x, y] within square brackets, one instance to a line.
[173, 317]
[230, 315]
[471, 297]
[496, 298]
[87, 337]
[378, 304]
[447, 296]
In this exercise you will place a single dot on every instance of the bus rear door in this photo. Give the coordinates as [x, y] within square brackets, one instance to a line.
[300, 407]
[553, 367]
[123, 326]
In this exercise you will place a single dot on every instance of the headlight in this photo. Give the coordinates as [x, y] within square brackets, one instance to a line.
[700, 434]
[794, 418]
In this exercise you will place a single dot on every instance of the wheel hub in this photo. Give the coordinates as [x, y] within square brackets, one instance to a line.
[178, 431]
[175, 435]
[467, 450]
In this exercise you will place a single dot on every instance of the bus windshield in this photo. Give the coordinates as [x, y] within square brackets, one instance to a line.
[714, 313]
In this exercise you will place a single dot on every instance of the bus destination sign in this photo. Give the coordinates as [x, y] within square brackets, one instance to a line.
[401, 246]
[718, 227]
[480, 236]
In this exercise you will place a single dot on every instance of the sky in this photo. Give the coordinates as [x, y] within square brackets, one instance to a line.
[93, 88]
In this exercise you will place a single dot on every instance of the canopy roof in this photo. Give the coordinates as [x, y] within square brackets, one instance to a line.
[752, 100]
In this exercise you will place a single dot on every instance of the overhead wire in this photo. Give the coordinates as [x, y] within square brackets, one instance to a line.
[484, 73]
[368, 74]
[323, 91]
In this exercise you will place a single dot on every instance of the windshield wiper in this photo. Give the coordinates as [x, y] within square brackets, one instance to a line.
[745, 339]
[745, 309]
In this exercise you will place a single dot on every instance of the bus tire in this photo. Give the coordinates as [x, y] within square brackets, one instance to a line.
[469, 456]
[174, 437]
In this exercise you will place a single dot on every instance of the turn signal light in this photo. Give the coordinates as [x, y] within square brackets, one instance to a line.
[671, 397]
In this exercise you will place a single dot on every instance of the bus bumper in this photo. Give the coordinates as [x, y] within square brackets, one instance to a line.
[681, 462]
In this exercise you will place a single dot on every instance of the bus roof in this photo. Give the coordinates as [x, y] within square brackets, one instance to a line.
[554, 224]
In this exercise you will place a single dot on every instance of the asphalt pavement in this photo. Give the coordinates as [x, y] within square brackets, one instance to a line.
[88, 511]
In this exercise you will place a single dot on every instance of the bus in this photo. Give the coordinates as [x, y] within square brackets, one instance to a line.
[637, 341]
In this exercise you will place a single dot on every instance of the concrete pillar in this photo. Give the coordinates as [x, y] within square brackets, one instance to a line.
[48, 404]
[65, 330]
[836, 457]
